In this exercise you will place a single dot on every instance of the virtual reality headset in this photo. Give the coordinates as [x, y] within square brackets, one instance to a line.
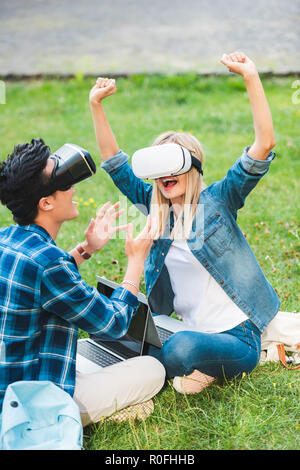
[163, 160]
[72, 164]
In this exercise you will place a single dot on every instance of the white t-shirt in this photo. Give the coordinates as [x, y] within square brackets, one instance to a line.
[199, 300]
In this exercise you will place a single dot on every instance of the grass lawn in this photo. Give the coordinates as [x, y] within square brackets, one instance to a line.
[260, 411]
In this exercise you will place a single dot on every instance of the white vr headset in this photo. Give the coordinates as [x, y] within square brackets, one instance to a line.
[163, 160]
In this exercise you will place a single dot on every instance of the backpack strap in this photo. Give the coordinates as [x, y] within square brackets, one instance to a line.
[281, 354]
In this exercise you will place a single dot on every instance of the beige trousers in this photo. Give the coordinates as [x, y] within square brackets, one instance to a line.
[116, 387]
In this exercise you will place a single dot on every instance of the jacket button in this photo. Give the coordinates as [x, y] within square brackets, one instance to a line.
[162, 254]
[14, 404]
[157, 270]
[221, 282]
[249, 314]
[207, 265]
[233, 296]
[218, 214]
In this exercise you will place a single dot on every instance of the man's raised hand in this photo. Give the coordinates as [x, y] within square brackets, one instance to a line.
[101, 229]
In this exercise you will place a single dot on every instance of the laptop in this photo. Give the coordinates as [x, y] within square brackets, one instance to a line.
[145, 330]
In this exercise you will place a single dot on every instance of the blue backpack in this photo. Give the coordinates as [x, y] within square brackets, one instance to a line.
[39, 416]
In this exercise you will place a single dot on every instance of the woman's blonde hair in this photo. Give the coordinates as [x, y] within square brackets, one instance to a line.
[194, 185]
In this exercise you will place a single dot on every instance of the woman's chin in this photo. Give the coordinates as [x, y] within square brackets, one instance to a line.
[171, 194]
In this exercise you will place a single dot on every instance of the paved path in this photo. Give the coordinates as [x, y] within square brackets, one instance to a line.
[132, 36]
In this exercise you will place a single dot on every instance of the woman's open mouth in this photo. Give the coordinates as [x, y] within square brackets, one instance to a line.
[169, 183]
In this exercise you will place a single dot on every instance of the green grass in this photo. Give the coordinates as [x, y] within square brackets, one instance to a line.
[257, 412]
[260, 411]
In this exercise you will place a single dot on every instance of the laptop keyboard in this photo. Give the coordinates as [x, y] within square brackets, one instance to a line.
[95, 354]
[163, 334]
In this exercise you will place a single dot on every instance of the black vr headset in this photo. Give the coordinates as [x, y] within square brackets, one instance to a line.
[72, 164]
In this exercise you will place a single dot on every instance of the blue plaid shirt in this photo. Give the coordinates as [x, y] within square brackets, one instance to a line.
[43, 302]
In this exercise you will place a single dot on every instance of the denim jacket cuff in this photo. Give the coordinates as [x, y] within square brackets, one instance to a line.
[257, 167]
[113, 163]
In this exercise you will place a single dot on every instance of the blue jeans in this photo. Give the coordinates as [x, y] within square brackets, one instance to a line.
[226, 355]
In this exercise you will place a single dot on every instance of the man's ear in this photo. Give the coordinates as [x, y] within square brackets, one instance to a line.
[46, 203]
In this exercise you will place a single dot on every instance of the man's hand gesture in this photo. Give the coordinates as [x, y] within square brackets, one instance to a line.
[101, 229]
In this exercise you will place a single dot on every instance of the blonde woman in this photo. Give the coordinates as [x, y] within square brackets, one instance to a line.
[203, 270]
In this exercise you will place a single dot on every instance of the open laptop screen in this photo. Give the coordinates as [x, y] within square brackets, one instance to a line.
[132, 343]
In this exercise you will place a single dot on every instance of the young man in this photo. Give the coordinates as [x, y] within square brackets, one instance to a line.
[43, 299]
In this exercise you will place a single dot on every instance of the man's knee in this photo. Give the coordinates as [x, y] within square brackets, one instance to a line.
[151, 370]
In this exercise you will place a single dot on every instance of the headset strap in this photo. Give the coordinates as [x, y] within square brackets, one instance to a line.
[197, 164]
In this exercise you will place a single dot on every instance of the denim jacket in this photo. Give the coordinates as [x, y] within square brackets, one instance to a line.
[216, 240]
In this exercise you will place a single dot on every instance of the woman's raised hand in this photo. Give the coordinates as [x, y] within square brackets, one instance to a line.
[238, 62]
[137, 249]
[104, 87]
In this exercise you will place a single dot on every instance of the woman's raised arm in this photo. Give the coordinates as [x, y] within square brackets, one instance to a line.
[106, 140]
[264, 141]
[135, 189]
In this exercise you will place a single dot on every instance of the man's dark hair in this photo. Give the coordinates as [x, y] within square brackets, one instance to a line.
[21, 179]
